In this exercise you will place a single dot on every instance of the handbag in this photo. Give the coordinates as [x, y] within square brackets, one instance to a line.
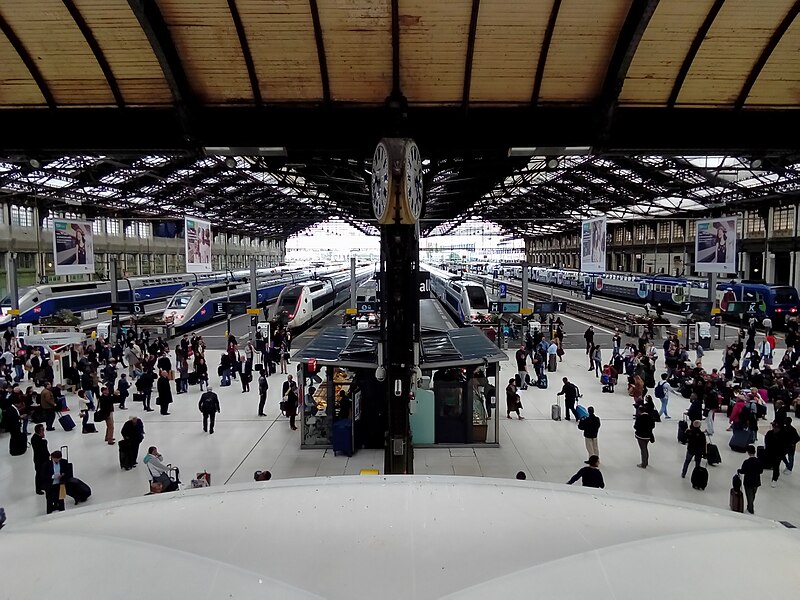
[99, 416]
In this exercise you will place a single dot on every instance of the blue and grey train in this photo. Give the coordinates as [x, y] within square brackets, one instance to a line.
[45, 300]
[467, 301]
[197, 304]
[779, 301]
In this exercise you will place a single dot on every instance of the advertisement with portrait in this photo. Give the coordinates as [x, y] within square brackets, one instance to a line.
[198, 245]
[73, 247]
[715, 245]
[593, 245]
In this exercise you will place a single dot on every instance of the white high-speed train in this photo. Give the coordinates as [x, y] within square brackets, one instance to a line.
[301, 305]
[466, 300]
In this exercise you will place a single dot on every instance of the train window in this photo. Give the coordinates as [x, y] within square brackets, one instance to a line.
[785, 295]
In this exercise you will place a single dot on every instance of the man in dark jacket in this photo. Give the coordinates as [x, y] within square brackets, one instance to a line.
[774, 451]
[588, 335]
[123, 386]
[791, 438]
[590, 426]
[643, 430]
[695, 446]
[145, 386]
[521, 357]
[41, 456]
[133, 435]
[164, 392]
[58, 471]
[751, 469]
[571, 394]
[209, 406]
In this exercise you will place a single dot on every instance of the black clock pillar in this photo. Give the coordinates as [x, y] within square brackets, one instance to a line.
[397, 202]
[400, 327]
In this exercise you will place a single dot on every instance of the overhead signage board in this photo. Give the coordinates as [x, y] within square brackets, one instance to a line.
[504, 307]
[546, 308]
[696, 308]
[365, 308]
[230, 308]
[503, 290]
[127, 308]
[749, 308]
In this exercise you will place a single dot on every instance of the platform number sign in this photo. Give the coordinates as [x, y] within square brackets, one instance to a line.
[503, 290]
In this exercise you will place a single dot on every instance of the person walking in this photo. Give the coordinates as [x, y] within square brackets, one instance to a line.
[643, 430]
[571, 394]
[164, 398]
[122, 387]
[695, 447]
[41, 456]
[513, 403]
[662, 392]
[751, 469]
[209, 406]
[590, 476]
[105, 405]
[58, 472]
[590, 426]
[791, 438]
[774, 451]
[263, 386]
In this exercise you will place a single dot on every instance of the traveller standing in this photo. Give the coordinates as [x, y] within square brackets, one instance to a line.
[590, 427]
[597, 360]
[41, 456]
[145, 386]
[122, 387]
[571, 394]
[164, 398]
[105, 404]
[590, 476]
[263, 386]
[209, 406]
[132, 433]
[245, 368]
[643, 430]
[291, 404]
[751, 469]
[48, 402]
[695, 447]
[521, 356]
[59, 471]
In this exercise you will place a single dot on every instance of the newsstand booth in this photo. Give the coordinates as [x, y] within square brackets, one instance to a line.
[347, 408]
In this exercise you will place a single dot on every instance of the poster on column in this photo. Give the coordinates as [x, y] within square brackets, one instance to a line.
[715, 245]
[73, 247]
[198, 245]
[593, 245]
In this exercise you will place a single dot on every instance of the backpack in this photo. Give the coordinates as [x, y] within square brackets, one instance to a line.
[659, 391]
[205, 404]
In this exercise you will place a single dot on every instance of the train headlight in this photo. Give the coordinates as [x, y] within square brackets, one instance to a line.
[180, 317]
[793, 310]
[291, 315]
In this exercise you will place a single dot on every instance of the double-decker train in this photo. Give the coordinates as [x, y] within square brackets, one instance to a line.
[467, 301]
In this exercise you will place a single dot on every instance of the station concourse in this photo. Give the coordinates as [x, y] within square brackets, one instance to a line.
[150, 145]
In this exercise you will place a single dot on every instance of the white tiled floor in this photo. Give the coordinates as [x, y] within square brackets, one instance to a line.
[544, 449]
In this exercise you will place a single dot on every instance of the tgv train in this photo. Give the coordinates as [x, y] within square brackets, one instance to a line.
[466, 300]
[197, 304]
[45, 300]
[780, 301]
[301, 305]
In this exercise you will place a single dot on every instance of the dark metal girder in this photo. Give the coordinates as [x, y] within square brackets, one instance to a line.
[246, 54]
[473, 28]
[698, 40]
[323, 61]
[96, 50]
[309, 132]
[396, 91]
[548, 37]
[28, 61]
[639, 15]
[772, 43]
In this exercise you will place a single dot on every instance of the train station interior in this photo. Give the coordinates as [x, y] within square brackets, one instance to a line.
[308, 185]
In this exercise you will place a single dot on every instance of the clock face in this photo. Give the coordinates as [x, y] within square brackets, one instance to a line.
[380, 181]
[414, 179]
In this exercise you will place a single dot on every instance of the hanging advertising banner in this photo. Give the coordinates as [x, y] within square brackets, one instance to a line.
[593, 245]
[73, 247]
[715, 245]
[198, 245]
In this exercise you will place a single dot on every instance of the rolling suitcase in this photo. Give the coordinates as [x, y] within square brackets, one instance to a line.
[712, 455]
[552, 363]
[193, 378]
[555, 412]
[581, 411]
[77, 490]
[737, 501]
[66, 422]
[126, 458]
[739, 440]
[699, 478]
[542, 382]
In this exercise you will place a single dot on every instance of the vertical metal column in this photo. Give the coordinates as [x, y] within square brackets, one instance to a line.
[13, 287]
[400, 319]
[253, 297]
[353, 285]
[524, 284]
[112, 276]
